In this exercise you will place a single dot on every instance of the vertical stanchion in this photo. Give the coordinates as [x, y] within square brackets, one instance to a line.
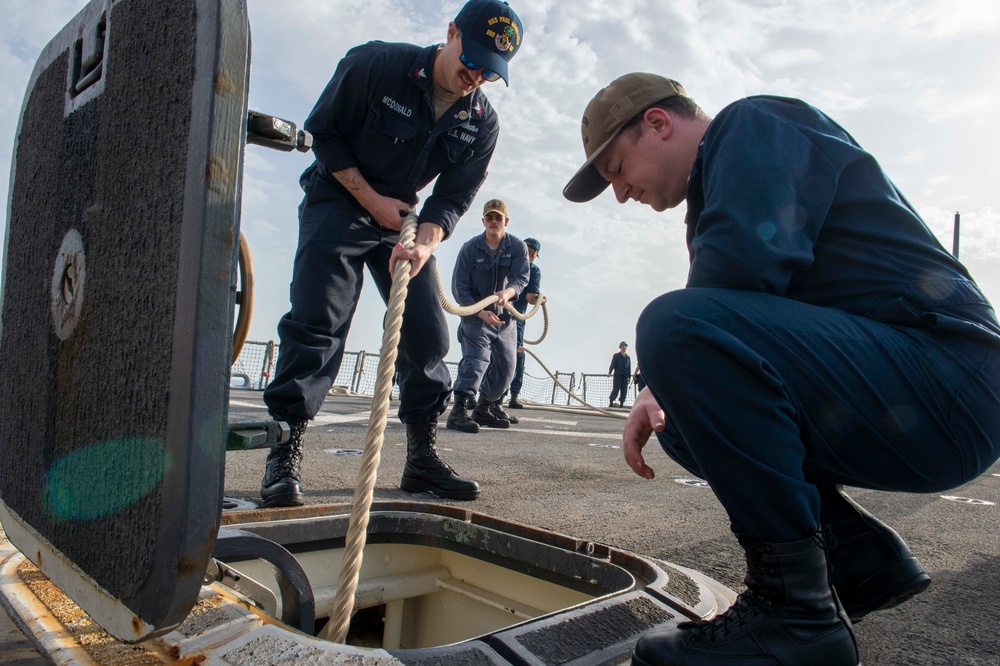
[266, 366]
[954, 240]
[359, 368]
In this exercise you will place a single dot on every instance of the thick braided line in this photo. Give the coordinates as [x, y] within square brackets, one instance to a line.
[469, 310]
[614, 415]
[347, 583]
[545, 323]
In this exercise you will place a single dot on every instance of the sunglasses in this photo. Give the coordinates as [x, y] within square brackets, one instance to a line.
[488, 74]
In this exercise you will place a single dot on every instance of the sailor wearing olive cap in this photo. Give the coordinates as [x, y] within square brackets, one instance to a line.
[824, 338]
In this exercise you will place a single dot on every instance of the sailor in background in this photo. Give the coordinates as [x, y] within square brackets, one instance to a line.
[620, 372]
[492, 263]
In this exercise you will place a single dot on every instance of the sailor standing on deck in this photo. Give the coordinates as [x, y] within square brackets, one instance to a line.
[528, 297]
[620, 371]
[492, 263]
[393, 118]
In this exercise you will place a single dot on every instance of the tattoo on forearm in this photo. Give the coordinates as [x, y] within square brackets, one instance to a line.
[351, 179]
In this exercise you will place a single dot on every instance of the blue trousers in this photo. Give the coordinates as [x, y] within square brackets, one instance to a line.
[619, 388]
[518, 380]
[768, 399]
[488, 358]
[334, 247]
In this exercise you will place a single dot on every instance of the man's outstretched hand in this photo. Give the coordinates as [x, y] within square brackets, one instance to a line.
[645, 418]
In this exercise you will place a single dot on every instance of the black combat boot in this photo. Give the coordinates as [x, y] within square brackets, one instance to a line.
[459, 419]
[621, 403]
[788, 615]
[282, 482]
[514, 402]
[424, 472]
[497, 410]
[484, 416]
[611, 403]
[871, 567]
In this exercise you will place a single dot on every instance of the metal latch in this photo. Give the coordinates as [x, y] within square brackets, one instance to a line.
[224, 574]
[88, 57]
[257, 435]
[272, 132]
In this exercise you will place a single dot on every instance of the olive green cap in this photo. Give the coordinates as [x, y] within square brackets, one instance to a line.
[610, 110]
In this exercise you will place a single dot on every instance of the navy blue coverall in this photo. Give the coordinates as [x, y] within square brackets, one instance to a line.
[376, 114]
[621, 373]
[824, 337]
[521, 305]
[488, 352]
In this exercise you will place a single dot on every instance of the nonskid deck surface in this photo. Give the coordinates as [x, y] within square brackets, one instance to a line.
[563, 472]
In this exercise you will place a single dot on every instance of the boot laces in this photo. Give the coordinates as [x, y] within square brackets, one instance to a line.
[498, 410]
[288, 465]
[749, 606]
[432, 448]
[288, 460]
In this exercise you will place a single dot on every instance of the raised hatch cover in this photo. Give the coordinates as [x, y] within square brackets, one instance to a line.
[118, 297]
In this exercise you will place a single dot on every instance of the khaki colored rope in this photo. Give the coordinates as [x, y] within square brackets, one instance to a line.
[469, 310]
[350, 571]
[606, 412]
[545, 321]
[347, 583]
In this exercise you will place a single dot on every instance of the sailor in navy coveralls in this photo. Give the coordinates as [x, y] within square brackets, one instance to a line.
[529, 296]
[825, 338]
[494, 262]
[392, 118]
[620, 370]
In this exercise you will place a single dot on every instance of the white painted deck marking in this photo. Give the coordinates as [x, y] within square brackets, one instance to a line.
[240, 403]
[698, 483]
[569, 433]
[321, 419]
[328, 419]
[532, 419]
[967, 500]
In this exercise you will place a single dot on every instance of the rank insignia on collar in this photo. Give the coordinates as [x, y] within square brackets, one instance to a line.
[420, 73]
[478, 108]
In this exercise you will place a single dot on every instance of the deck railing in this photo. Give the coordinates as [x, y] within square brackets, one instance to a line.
[255, 367]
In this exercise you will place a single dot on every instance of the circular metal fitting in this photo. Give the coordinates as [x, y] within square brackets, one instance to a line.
[68, 279]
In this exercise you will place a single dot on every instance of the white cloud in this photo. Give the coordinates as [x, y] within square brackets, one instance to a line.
[908, 78]
[784, 58]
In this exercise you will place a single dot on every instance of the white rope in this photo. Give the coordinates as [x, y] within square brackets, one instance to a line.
[347, 584]
[475, 308]
[606, 412]
[490, 300]
[545, 321]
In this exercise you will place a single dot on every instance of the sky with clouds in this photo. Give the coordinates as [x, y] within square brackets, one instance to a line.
[913, 80]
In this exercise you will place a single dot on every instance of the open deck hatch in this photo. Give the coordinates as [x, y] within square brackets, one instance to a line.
[119, 273]
[118, 300]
